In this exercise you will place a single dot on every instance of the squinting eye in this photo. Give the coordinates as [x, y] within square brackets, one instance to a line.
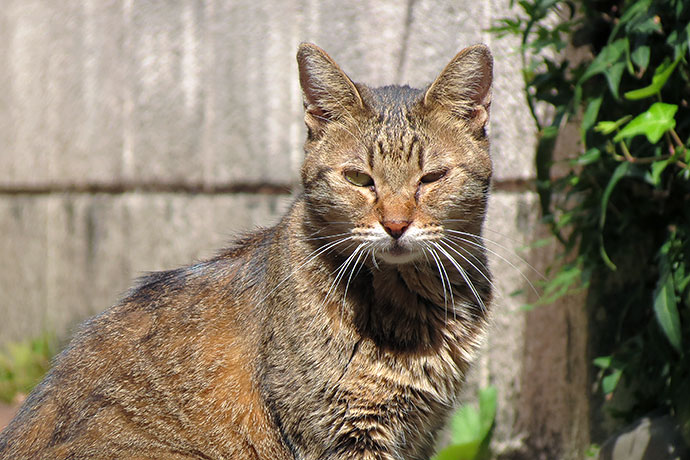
[358, 178]
[432, 176]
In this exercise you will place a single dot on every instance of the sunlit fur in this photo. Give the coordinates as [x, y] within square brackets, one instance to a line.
[344, 332]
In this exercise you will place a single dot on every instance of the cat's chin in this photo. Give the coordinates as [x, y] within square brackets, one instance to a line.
[398, 256]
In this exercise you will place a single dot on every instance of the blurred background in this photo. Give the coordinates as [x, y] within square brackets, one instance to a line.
[143, 135]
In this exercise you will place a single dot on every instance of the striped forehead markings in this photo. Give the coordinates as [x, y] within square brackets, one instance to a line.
[407, 150]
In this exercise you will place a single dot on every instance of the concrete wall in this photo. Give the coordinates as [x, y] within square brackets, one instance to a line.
[141, 135]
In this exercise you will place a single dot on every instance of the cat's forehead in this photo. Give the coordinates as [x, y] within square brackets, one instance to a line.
[394, 133]
[393, 103]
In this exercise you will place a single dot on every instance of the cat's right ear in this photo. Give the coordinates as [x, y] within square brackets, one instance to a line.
[328, 93]
[464, 88]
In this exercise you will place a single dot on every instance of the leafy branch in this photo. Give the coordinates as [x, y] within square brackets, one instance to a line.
[620, 207]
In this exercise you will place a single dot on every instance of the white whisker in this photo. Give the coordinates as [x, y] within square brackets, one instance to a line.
[373, 259]
[352, 271]
[481, 272]
[443, 275]
[338, 272]
[483, 239]
[465, 240]
[314, 238]
[464, 275]
[340, 275]
[310, 257]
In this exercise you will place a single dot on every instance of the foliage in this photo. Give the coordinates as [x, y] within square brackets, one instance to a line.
[592, 451]
[620, 206]
[22, 365]
[471, 429]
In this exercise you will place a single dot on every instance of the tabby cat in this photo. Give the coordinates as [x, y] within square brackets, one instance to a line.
[344, 332]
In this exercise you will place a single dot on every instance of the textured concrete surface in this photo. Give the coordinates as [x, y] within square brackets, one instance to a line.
[195, 92]
[128, 129]
[508, 230]
[70, 256]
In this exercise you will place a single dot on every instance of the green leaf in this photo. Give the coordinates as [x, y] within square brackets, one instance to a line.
[661, 75]
[610, 382]
[613, 77]
[611, 62]
[487, 410]
[653, 123]
[603, 362]
[466, 451]
[470, 428]
[657, 168]
[466, 426]
[635, 13]
[641, 58]
[590, 156]
[607, 127]
[621, 171]
[665, 307]
[590, 115]
[567, 276]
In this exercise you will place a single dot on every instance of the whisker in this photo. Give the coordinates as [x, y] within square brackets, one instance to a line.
[341, 271]
[487, 240]
[481, 272]
[338, 272]
[373, 259]
[326, 236]
[465, 240]
[464, 275]
[442, 272]
[352, 272]
[489, 229]
[310, 257]
[339, 277]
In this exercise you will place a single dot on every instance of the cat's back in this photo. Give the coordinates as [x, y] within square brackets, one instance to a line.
[151, 377]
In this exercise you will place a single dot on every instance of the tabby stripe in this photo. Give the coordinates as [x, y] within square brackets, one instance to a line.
[420, 158]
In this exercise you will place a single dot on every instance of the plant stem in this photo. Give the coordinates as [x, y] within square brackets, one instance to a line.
[676, 138]
[627, 154]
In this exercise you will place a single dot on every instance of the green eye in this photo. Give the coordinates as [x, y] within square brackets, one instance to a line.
[432, 176]
[358, 178]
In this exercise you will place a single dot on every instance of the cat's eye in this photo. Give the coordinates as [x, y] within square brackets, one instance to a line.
[432, 176]
[358, 178]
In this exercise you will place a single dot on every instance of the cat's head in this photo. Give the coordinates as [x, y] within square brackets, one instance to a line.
[394, 170]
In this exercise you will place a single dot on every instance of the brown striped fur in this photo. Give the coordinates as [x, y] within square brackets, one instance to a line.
[344, 332]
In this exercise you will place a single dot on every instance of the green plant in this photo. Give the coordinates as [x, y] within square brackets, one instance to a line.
[23, 364]
[620, 206]
[592, 451]
[471, 429]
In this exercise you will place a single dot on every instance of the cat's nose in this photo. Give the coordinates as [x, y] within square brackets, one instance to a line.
[395, 228]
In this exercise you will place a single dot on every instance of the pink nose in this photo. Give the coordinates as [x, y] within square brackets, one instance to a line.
[395, 228]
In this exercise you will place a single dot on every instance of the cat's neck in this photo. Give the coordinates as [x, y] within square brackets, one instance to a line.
[405, 307]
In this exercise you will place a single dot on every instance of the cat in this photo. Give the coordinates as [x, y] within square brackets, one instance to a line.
[343, 332]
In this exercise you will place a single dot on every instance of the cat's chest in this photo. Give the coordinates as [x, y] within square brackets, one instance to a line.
[435, 372]
[407, 396]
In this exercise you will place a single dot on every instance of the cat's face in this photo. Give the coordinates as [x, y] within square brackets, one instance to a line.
[389, 172]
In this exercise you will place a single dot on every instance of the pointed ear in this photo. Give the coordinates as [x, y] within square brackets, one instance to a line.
[464, 87]
[328, 93]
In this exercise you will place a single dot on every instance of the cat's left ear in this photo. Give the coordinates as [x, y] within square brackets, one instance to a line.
[464, 87]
